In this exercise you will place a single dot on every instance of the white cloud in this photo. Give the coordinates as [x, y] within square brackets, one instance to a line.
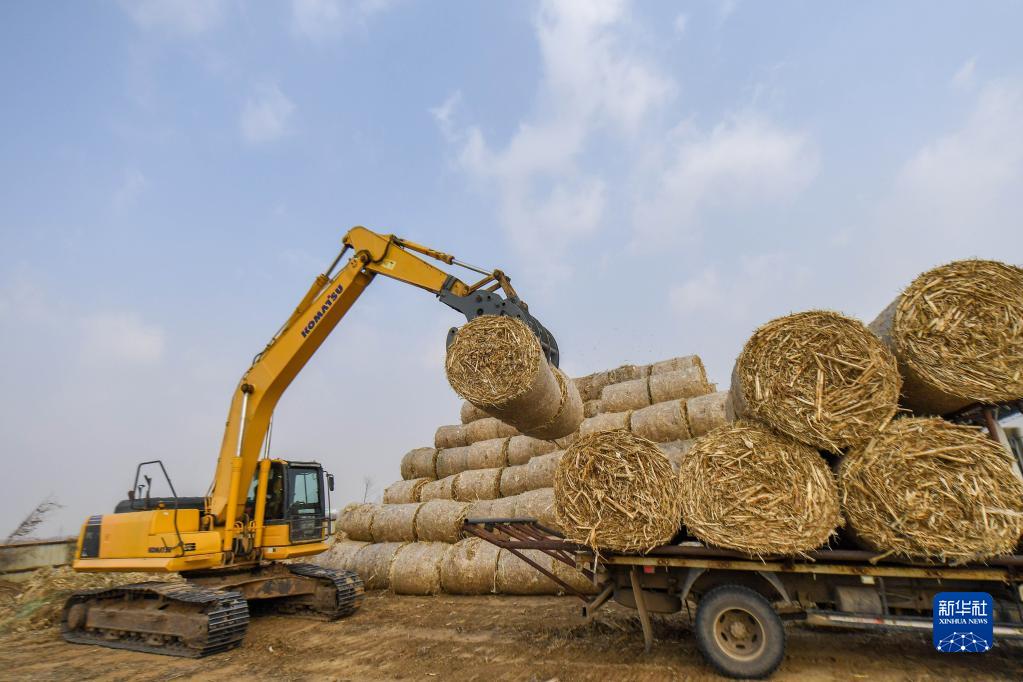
[681, 23]
[738, 294]
[970, 179]
[321, 20]
[444, 115]
[743, 159]
[127, 193]
[183, 17]
[725, 9]
[266, 115]
[119, 338]
[592, 81]
[964, 75]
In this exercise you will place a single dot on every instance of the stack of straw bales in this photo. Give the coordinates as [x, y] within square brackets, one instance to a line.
[481, 468]
[922, 489]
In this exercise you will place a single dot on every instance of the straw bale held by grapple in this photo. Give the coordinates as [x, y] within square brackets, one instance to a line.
[616, 491]
[928, 489]
[957, 332]
[747, 488]
[498, 365]
[819, 377]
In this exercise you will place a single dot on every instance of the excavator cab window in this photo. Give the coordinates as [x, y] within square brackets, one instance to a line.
[305, 510]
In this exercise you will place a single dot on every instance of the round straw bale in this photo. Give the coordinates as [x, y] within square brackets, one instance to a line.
[339, 555]
[591, 385]
[404, 492]
[683, 363]
[628, 373]
[451, 461]
[819, 377]
[928, 489]
[416, 568]
[440, 521]
[477, 484]
[538, 504]
[373, 564]
[957, 332]
[497, 364]
[608, 421]
[514, 480]
[682, 383]
[451, 436]
[470, 413]
[419, 463]
[628, 395]
[591, 408]
[487, 454]
[569, 414]
[521, 449]
[542, 469]
[395, 522]
[356, 520]
[616, 491]
[662, 422]
[501, 508]
[487, 429]
[515, 576]
[748, 488]
[441, 489]
[470, 567]
[707, 412]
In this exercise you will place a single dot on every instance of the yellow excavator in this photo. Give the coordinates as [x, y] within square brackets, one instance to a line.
[230, 545]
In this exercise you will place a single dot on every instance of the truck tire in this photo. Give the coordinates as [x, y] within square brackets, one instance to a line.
[739, 633]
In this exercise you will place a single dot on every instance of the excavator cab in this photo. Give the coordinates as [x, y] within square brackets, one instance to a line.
[297, 499]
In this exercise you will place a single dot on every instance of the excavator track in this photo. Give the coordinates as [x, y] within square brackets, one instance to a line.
[174, 619]
[348, 593]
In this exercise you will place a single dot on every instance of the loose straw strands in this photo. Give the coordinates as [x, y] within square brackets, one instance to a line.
[493, 360]
[928, 489]
[819, 377]
[747, 488]
[618, 492]
[957, 331]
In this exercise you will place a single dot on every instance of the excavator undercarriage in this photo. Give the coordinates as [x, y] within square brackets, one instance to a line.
[208, 613]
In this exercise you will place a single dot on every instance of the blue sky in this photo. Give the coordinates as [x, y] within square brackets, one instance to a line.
[658, 178]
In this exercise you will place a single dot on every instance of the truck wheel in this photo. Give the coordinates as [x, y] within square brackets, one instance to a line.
[739, 633]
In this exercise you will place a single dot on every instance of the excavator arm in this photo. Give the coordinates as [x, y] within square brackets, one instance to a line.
[329, 298]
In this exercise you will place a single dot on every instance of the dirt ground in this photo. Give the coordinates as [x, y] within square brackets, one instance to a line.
[493, 638]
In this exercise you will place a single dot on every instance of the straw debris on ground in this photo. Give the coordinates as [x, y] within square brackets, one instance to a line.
[37, 603]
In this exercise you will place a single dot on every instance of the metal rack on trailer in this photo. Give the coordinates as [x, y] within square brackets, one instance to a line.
[742, 601]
